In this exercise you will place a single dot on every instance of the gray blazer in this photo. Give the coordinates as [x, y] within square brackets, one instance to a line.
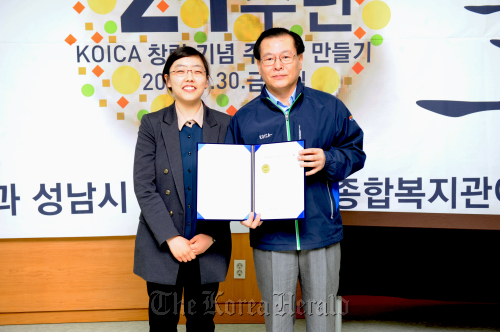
[159, 187]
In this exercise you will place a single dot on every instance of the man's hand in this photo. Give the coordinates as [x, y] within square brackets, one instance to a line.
[251, 222]
[200, 243]
[181, 249]
[313, 158]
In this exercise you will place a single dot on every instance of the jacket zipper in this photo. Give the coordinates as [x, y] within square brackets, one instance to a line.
[289, 138]
[331, 200]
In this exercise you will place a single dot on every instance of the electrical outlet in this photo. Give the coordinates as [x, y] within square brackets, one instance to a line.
[239, 268]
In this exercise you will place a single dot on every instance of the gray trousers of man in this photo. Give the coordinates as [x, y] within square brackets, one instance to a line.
[318, 271]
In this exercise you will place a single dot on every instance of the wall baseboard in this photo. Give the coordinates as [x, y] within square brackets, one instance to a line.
[227, 313]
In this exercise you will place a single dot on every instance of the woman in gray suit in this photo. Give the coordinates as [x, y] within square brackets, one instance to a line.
[173, 250]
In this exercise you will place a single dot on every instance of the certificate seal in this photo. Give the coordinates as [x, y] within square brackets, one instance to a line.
[266, 168]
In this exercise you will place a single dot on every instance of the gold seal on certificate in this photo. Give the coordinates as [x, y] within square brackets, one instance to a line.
[266, 168]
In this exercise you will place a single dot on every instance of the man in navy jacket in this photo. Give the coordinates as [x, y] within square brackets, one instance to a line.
[307, 249]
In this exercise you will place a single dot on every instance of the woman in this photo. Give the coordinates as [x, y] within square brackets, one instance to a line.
[174, 251]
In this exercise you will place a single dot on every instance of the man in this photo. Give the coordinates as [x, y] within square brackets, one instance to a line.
[308, 249]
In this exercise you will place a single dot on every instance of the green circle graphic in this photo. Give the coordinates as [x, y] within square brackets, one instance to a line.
[222, 100]
[200, 37]
[297, 29]
[141, 114]
[110, 27]
[88, 90]
[377, 40]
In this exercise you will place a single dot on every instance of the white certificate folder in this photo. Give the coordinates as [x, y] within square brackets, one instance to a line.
[236, 179]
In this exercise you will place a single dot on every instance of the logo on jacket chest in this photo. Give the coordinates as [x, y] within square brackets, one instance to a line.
[265, 136]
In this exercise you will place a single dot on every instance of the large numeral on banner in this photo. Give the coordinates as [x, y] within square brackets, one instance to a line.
[146, 87]
[233, 86]
[223, 80]
[158, 80]
[132, 20]
[218, 15]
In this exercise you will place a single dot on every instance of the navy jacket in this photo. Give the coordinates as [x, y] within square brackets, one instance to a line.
[323, 122]
[159, 187]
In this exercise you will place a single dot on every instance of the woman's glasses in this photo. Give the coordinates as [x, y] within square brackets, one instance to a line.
[184, 72]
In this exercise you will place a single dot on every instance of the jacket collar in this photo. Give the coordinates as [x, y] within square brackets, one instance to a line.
[299, 94]
[170, 116]
[208, 118]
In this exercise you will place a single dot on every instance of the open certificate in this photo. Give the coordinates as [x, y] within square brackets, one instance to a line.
[235, 179]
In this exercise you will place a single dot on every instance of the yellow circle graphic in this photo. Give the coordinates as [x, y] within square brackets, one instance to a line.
[266, 168]
[161, 101]
[325, 79]
[126, 80]
[247, 28]
[102, 6]
[376, 15]
[194, 13]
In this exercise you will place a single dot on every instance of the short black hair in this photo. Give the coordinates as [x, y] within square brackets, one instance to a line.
[183, 52]
[278, 32]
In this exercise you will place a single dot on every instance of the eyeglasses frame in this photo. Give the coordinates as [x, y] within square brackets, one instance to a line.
[275, 58]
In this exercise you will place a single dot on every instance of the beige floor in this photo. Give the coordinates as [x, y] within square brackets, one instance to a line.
[349, 326]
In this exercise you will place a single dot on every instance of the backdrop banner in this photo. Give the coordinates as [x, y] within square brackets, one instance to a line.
[421, 78]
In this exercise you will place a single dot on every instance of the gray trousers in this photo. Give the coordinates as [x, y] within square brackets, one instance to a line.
[318, 271]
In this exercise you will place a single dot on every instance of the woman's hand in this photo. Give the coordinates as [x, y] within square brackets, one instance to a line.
[200, 243]
[181, 249]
